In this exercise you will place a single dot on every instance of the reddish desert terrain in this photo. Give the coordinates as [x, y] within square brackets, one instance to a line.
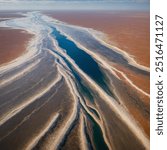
[13, 44]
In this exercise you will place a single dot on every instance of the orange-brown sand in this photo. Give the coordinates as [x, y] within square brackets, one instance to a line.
[12, 44]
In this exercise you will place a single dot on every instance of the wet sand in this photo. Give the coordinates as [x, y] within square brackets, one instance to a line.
[13, 44]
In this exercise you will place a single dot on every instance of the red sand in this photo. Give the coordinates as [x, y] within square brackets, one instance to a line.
[13, 44]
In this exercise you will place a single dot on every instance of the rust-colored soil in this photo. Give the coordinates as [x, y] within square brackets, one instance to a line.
[12, 44]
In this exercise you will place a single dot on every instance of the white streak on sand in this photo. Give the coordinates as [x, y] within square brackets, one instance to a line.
[21, 93]
[27, 102]
[29, 115]
[118, 50]
[83, 140]
[44, 130]
[65, 127]
[20, 74]
[131, 83]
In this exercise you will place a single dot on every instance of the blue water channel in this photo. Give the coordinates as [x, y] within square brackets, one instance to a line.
[82, 59]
